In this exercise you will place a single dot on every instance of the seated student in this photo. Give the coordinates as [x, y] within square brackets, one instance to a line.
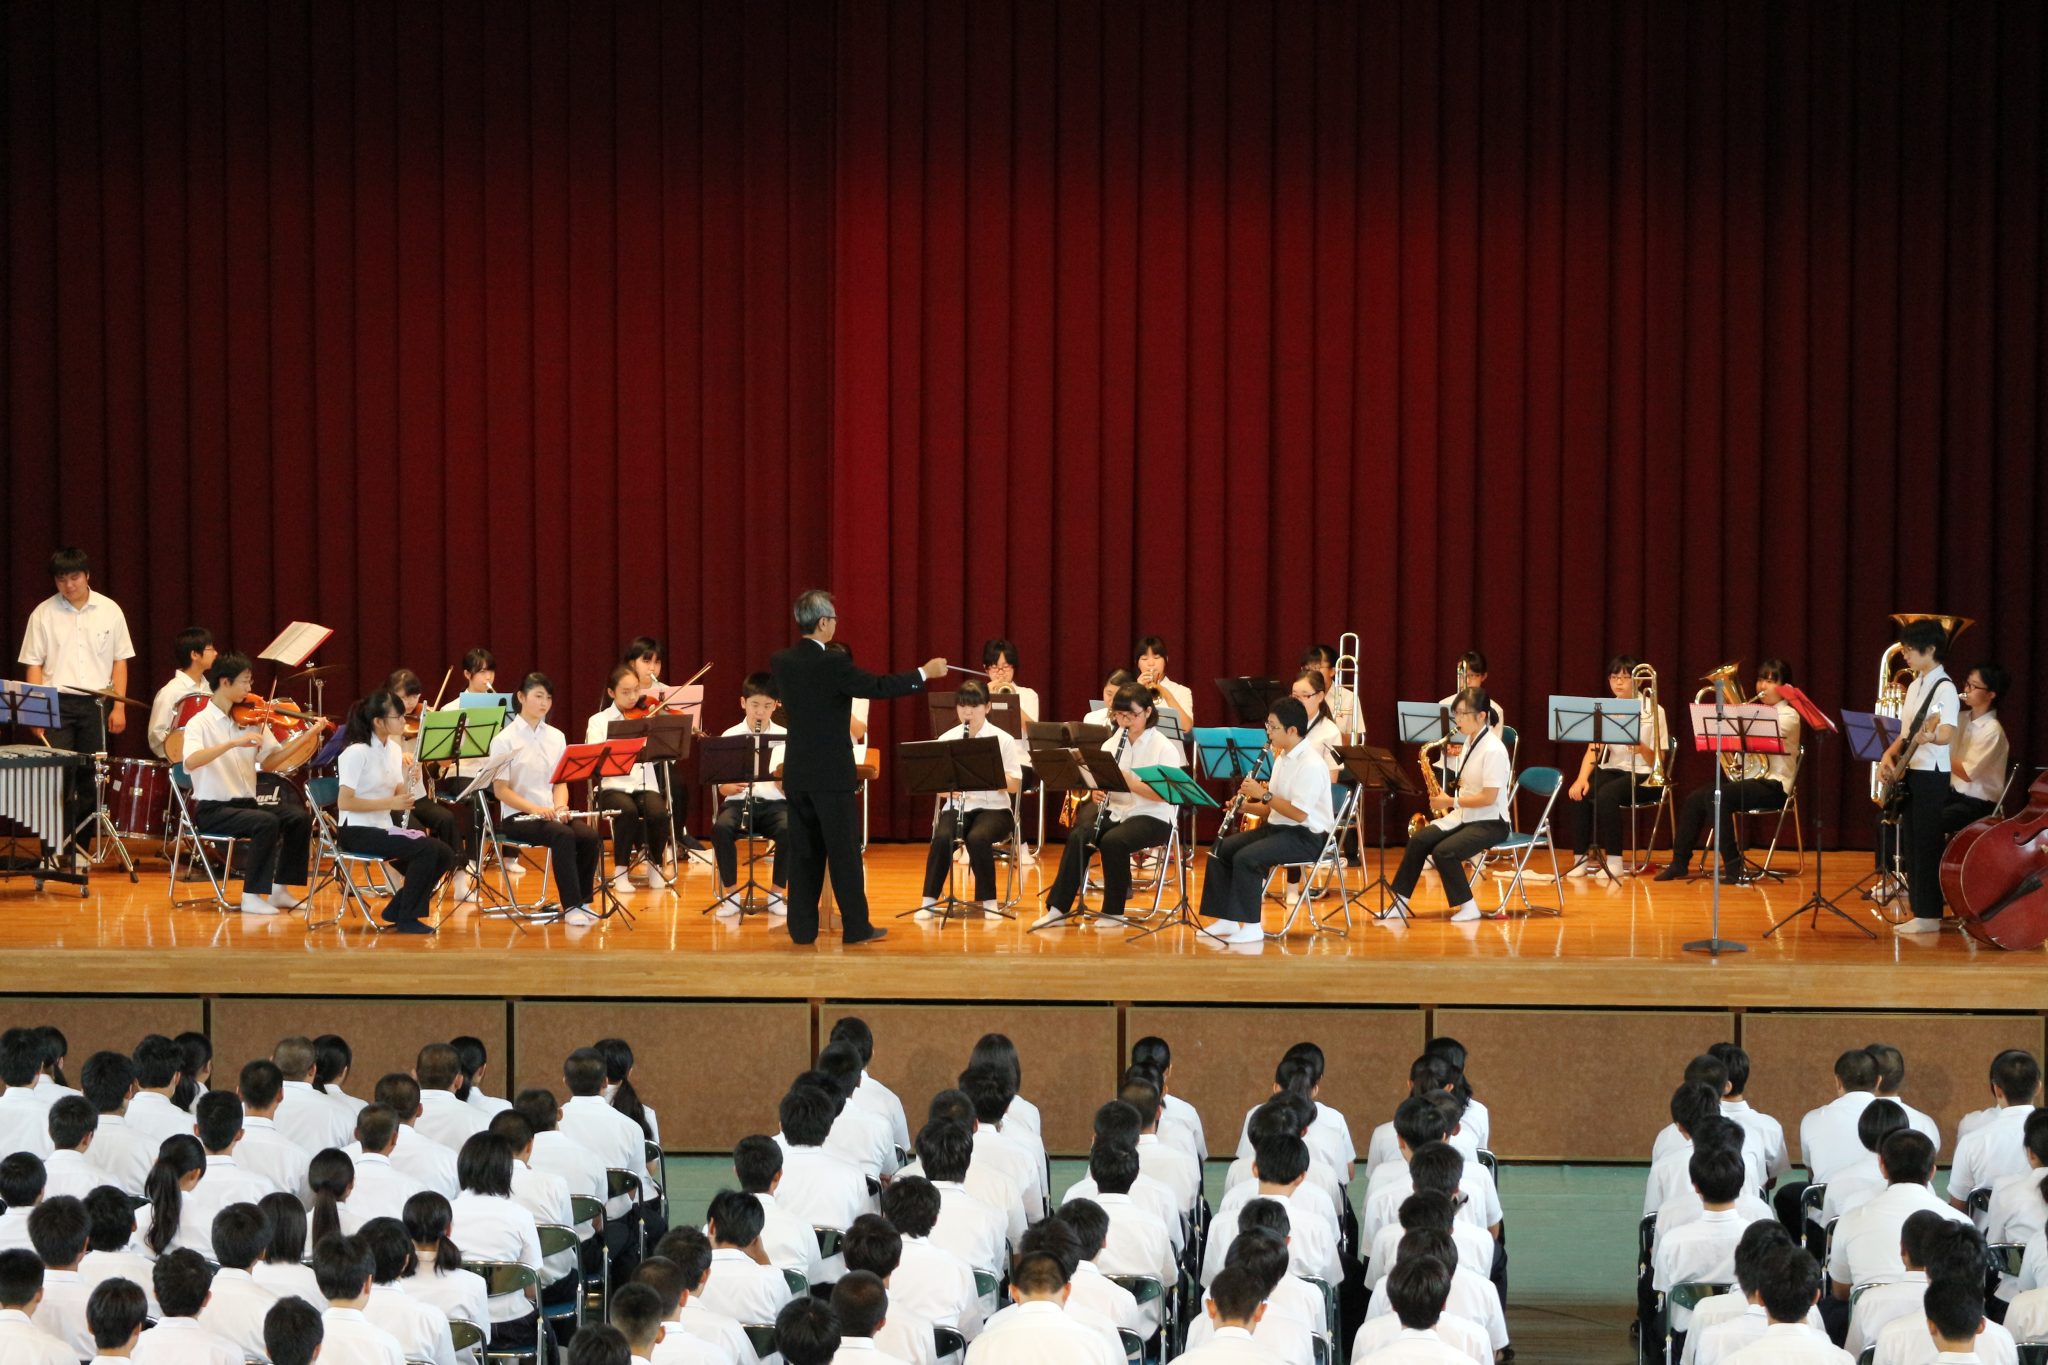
[1703, 1249]
[495, 1228]
[768, 811]
[110, 1233]
[118, 1152]
[1713, 1135]
[819, 1185]
[1117, 1122]
[1789, 1286]
[307, 1116]
[871, 1094]
[589, 1120]
[1087, 1285]
[1998, 1148]
[1295, 801]
[636, 1312]
[293, 1331]
[1432, 1206]
[1768, 1132]
[196, 1076]
[1040, 1329]
[1182, 1124]
[1427, 1074]
[1015, 1143]
[967, 1227]
[672, 1345]
[157, 1063]
[990, 1171]
[333, 1059]
[160, 1223]
[1692, 1103]
[283, 1270]
[1927, 1241]
[1471, 1297]
[1161, 1160]
[1705, 1069]
[221, 759]
[1725, 1323]
[183, 1281]
[1891, 1077]
[346, 1270]
[330, 1180]
[1138, 1242]
[1257, 1262]
[871, 1245]
[998, 1051]
[1418, 1290]
[217, 1119]
[678, 1271]
[534, 809]
[1950, 1326]
[1292, 1115]
[1866, 1242]
[444, 1117]
[858, 1134]
[420, 1329]
[931, 1281]
[24, 1111]
[599, 1344]
[544, 1196]
[1827, 1135]
[806, 1333]
[373, 801]
[66, 1171]
[474, 1060]
[1857, 1184]
[437, 1277]
[59, 1230]
[264, 1151]
[21, 1188]
[790, 1242]
[1481, 1204]
[640, 811]
[1329, 1134]
[986, 813]
[1293, 1297]
[380, 1188]
[559, 1154]
[236, 1304]
[620, 1093]
[860, 1306]
[1280, 1166]
[740, 1285]
[2019, 1207]
[1135, 820]
[21, 1293]
[115, 1314]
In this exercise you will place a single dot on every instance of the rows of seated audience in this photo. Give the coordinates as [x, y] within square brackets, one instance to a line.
[159, 1213]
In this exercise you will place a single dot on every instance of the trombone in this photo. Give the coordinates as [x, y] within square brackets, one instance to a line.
[1344, 674]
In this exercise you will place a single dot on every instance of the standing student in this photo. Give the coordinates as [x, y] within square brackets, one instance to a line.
[1767, 793]
[1471, 815]
[1151, 656]
[374, 786]
[76, 641]
[535, 809]
[640, 823]
[1296, 801]
[987, 814]
[1136, 819]
[1930, 712]
[194, 652]
[1609, 777]
[768, 812]
[1978, 758]
[817, 686]
[222, 759]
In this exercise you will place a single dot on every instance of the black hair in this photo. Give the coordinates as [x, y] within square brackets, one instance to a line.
[1119, 678]
[1954, 1308]
[1926, 636]
[1691, 1102]
[618, 1067]
[59, 1229]
[1997, 680]
[1113, 1166]
[1790, 1285]
[944, 1149]
[21, 1057]
[377, 1125]
[71, 1122]
[1144, 1096]
[1774, 670]
[479, 660]
[198, 1050]
[871, 1243]
[1090, 1224]
[1736, 1061]
[1622, 663]
[971, 693]
[996, 651]
[260, 1083]
[1263, 1214]
[179, 1156]
[400, 1092]
[1291, 714]
[1710, 1071]
[69, 559]
[405, 683]
[1717, 1175]
[1137, 697]
[806, 1332]
[1918, 1235]
[115, 1312]
[806, 1115]
[911, 1204]
[1150, 644]
[620, 673]
[362, 717]
[55, 1047]
[666, 1279]
[735, 1218]
[1891, 1066]
[854, 1030]
[218, 1118]
[1261, 1255]
[182, 1279]
[536, 681]
[1878, 1121]
[1417, 1121]
[512, 1126]
[287, 1227]
[427, 1219]
[111, 1216]
[1236, 1294]
[583, 1071]
[292, 1331]
[756, 1161]
[436, 1067]
[860, 1302]
[540, 1108]
[1759, 1240]
[638, 1312]
[1119, 1120]
[329, 1177]
[642, 647]
[1474, 661]
[688, 1249]
[1428, 1209]
[332, 1057]
[471, 1056]
[757, 685]
[1856, 1069]
[1054, 1237]
[1474, 701]
[998, 1051]
[21, 1278]
[2016, 1075]
[390, 1248]
[105, 1079]
[226, 668]
[1908, 1157]
[341, 1265]
[1955, 1252]
[1426, 1242]
[1432, 1166]
[1418, 1288]
[484, 1165]
[1038, 1274]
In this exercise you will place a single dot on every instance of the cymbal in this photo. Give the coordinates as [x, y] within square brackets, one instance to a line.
[317, 670]
[107, 693]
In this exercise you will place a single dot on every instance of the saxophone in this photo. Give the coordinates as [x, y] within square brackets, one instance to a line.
[1431, 788]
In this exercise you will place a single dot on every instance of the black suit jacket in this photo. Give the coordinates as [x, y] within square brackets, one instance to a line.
[816, 687]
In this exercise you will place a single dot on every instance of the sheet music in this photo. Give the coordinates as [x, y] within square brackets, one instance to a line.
[296, 643]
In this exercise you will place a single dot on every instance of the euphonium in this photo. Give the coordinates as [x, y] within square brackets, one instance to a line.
[1431, 788]
[1646, 689]
[1893, 678]
[1723, 682]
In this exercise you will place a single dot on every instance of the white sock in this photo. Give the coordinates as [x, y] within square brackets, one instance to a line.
[1468, 911]
[988, 907]
[930, 901]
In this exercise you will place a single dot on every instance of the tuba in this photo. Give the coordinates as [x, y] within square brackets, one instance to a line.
[1893, 678]
[1646, 689]
[1723, 683]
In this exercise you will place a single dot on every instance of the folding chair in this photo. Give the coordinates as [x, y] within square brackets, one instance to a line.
[655, 1158]
[761, 1336]
[1512, 738]
[337, 867]
[1649, 1308]
[1005, 852]
[1978, 1205]
[188, 848]
[554, 1239]
[1492, 1165]
[1662, 810]
[504, 902]
[1788, 812]
[465, 1334]
[1331, 1307]
[947, 1342]
[1543, 782]
[828, 1240]
[2030, 1352]
[1148, 1289]
[589, 1209]
[618, 1181]
[510, 1277]
[1810, 1201]
[1687, 1296]
[1329, 861]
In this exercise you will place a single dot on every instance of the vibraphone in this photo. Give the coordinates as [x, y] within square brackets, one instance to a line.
[32, 808]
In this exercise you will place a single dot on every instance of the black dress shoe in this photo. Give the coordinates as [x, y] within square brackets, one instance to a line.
[1672, 873]
[870, 936]
[412, 926]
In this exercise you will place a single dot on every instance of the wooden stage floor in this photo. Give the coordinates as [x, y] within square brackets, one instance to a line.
[1614, 945]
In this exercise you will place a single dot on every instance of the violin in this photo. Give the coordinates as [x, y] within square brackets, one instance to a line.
[284, 717]
[1994, 875]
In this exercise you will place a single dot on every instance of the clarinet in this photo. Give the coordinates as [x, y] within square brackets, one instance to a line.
[1102, 821]
[1228, 825]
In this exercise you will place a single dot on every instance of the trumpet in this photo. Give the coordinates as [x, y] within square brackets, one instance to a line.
[1645, 678]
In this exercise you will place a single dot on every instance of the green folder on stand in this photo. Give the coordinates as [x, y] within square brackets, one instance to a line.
[1175, 785]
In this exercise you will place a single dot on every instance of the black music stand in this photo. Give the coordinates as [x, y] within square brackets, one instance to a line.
[30, 705]
[668, 743]
[1375, 772]
[1003, 712]
[742, 759]
[1597, 720]
[1064, 769]
[1719, 728]
[1870, 735]
[593, 763]
[1174, 785]
[1250, 698]
[1819, 900]
[940, 768]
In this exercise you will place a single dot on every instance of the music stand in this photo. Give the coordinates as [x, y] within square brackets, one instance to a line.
[668, 735]
[1174, 785]
[1233, 754]
[1425, 722]
[940, 768]
[1597, 720]
[30, 704]
[1250, 698]
[477, 788]
[1375, 772]
[1820, 727]
[592, 763]
[742, 759]
[1870, 735]
[1064, 769]
[1719, 728]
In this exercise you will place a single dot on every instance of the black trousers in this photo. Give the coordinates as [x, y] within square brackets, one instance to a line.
[82, 729]
[277, 838]
[1239, 866]
[576, 851]
[642, 822]
[1118, 842]
[1596, 821]
[453, 825]
[1926, 794]
[1749, 794]
[1959, 812]
[824, 834]
[985, 829]
[1448, 849]
[424, 862]
[770, 821]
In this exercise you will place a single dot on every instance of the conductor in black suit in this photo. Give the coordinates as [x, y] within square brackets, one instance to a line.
[817, 686]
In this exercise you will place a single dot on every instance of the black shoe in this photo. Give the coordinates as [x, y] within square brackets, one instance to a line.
[874, 932]
[1734, 879]
[412, 926]
[1673, 872]
[689, 843]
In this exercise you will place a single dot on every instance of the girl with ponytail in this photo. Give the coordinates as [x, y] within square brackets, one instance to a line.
[180, 1165]
[329, 1179]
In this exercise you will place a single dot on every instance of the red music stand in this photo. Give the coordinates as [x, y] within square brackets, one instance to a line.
[590, 763]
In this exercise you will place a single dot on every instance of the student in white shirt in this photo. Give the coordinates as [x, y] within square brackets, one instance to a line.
[66, 1170]
[967, 1227]
[1954, 1312]
[1891, 1078]
[183, 1282]
[986, 814]
[1981, 754]
[560, 1155]
[219, 1123]
[1151, 657]
[1295, 799]
[1858, 1184]
[2018, 1209]
[420, 1328]
[346, 1271]
[21, 1189]
[590, 1120]
[333, 1060]
[1232, 1312]
[221, 759]
[437, 1276]
[677, 1272]
[1281, 1165]
[932, 1281]
[112, 1254]
[1769, 1134]
[1262, 1258]
[1609, 777]
[1696, 1114]
[58, 1230]
[858, 1133]
[639, 810]
[766, 816]
[625, 1099]
[194, 652]
[415, 1155]
[262, 1150]
[1998, 1148]
[1171, 1166]
[115, 1314]
[1931, 1247]
[873, 1246]
[536, 810]
[283, 1270]
[1468, 1296]
[807, 1333]
[871, 1094]
[330, 1182]
[1767, 793]
[475, 1062]
[741, 1285]
[543, 1195]
[236, 1304]
[1183, 1122]
[311, 1118]
[1789, 1285]
[443, 1117]
[180, 1166]
[380, 1189]
[818, 1185]
[1139, 1242]
[375, 788]
[77, 640]
[860, 1306]
[1418, 1289]
[1929, 720]
[1703, 1250]
[1134, 820]
[1471, 813]
[293, 1332]
[1828, 1143]
[1866, 1241]
[1432, 1206]
[24, 1110]
[1341, 701]
[118, 1152]
[490, 1226]
[1038, 1331]
[23, 1339]
[635, 1311]
[1019, 1118]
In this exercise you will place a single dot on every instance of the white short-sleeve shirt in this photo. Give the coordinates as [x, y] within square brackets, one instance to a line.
[1484, 764]
[1302, 778]
[1148, 750]
[641, 779]
[374, 772]
[537, 751]
[763, 791]
[232, 775]
[1013, 766]
[76, 646]
[1931, 758]
[1984, 752]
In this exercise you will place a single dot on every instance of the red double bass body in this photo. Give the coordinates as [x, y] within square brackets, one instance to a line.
[1994, 875]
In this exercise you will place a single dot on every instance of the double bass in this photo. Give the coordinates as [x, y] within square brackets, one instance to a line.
[1994, 875]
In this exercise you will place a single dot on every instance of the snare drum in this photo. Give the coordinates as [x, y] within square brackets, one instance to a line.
[139, 797]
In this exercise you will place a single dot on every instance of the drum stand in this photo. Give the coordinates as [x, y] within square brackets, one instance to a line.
[100, 824]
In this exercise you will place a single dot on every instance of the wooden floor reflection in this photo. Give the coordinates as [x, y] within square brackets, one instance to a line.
[1618, 944]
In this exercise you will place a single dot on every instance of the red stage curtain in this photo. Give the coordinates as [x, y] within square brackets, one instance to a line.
[1699, 332]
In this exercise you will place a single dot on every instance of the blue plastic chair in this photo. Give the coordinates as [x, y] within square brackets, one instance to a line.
[1519, 848]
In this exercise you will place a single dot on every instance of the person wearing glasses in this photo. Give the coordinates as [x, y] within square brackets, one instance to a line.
[1471, 811]
[1978, 761]
[1135, 820]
